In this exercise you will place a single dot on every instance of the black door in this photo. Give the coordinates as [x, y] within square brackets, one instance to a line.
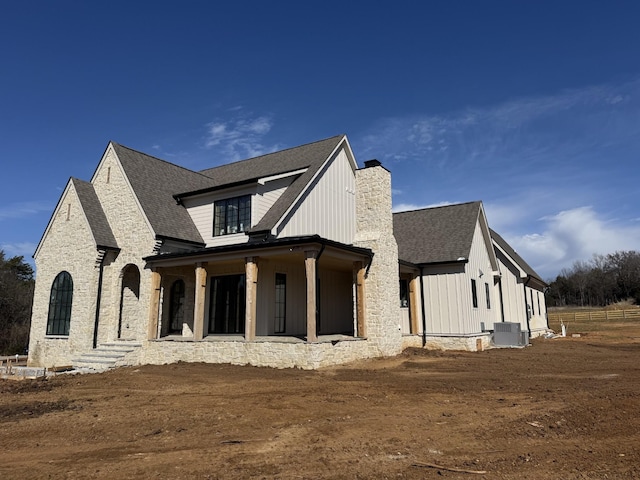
[227, 305]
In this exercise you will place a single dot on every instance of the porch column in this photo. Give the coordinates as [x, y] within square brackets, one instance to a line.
[413, 303]
[251, 274]
[198, 309]
[154, 304]
[310, 269]
[360, 271]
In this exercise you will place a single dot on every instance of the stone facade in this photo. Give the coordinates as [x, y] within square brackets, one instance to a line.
[115, 288]
[374, 230]
[69, 247]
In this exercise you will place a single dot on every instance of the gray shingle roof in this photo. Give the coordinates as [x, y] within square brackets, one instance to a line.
[154, 182]
[514, 255]
[436, 235]
[92, 208]
[310, 156]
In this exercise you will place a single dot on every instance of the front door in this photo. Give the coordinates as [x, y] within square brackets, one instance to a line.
[227, 304]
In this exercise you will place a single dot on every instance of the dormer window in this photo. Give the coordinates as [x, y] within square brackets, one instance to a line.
[232, 215]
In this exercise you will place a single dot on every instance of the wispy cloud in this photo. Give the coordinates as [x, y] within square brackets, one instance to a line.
[23, 209]
[535, 162]
[24, 249]
[572, 235]
[241, 136]
[406, 207]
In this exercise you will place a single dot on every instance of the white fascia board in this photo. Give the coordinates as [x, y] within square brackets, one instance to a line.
[521, 272]
[484, 226]
[264, 180]
[53, 215]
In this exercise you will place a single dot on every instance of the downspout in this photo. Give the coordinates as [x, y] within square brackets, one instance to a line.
[526, 311]
[98, 298]
[501, 299]
[424, 315]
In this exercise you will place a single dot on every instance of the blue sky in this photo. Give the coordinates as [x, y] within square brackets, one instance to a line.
[531, 107]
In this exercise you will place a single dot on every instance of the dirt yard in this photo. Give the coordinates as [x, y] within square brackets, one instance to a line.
[560, 409]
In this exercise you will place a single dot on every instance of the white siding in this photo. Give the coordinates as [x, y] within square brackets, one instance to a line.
[512, 294]
[328, 209]
[262, 198]
[449, 303]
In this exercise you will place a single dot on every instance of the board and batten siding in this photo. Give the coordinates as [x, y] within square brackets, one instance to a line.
[512, 294]
[262, 198]
[449, 303]
[329, 208]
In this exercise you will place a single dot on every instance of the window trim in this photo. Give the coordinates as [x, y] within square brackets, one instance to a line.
[60, 306]
[223, 213]
[474, 293]
[486, 289]
[280, 314]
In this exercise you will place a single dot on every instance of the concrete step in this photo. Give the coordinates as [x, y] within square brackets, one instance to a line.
[105, 356]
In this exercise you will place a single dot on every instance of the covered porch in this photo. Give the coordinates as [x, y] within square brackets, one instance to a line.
[291, 291]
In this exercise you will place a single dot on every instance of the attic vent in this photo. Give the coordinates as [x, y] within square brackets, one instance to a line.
[509, 334]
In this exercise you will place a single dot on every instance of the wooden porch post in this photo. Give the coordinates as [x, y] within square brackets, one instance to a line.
[154, 304]
[360, 303]
[413, 303]
[310, 269]
[251, 274]
[198, 309]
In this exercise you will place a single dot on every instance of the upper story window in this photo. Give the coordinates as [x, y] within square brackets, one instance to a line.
[232, 215]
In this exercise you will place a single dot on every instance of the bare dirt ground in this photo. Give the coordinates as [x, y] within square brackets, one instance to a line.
[560, 409]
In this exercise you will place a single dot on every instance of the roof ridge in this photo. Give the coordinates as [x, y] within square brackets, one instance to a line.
[271, 153]
[438, 206]
[157, 158]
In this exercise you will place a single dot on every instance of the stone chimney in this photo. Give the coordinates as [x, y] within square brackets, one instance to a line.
[374, 230]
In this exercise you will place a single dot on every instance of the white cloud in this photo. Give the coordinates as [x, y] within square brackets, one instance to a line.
[24, 249]
[406, 207]
[572, 235]
[241, 136]
[23, 209]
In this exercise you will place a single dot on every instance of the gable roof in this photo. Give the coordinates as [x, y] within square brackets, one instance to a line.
[311, 156]
[94, 213]
[502, 243]
[154, 182]
[436, 235]
[158, 184]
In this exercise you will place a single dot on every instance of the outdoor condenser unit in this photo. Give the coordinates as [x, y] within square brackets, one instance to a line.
[507, 334]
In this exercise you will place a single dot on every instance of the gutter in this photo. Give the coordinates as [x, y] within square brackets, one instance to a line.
[98, 298]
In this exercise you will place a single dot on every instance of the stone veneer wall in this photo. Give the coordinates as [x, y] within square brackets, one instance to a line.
[262, 353]
[135, 239]
[68, 246]
[374, 230]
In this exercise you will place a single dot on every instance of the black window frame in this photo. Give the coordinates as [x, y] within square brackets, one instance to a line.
[474, 293]
[487, 292]
[280, 312]
[60, 304]
[176, 306]
[231, 215]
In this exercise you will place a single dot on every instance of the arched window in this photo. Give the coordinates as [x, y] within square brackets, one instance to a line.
[176, 314]
[60, 301]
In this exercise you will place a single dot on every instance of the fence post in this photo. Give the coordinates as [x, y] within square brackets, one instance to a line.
[624, 314]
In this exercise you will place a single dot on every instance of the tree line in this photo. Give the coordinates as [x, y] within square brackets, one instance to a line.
[601, 281]
[16, 299]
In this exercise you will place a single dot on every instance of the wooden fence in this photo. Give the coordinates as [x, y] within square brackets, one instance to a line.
[594, 315]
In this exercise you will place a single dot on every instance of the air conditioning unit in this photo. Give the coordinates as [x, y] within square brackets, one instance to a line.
[508, 334]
